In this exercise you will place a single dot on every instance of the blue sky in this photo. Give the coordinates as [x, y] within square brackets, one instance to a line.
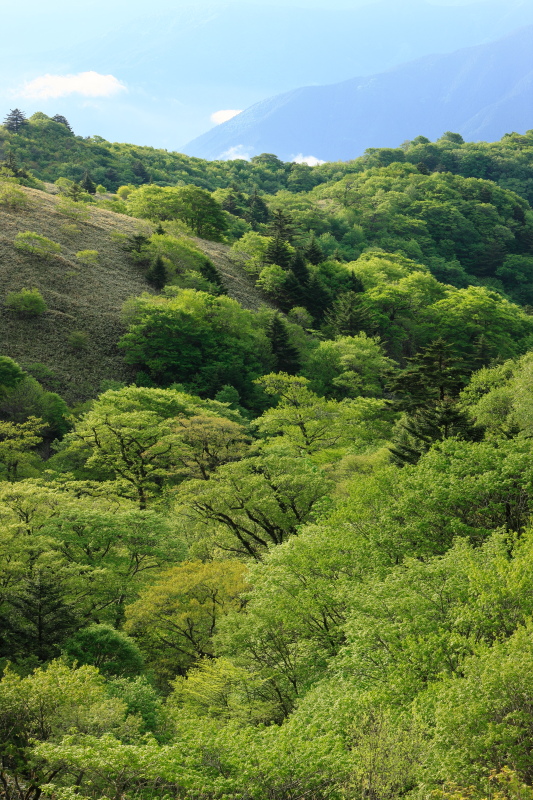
[156, 73]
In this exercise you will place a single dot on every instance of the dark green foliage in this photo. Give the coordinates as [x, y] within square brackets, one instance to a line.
[102, 646]
[87, 184]
[286, 356]
[313, 252]
[210, 273]
[10, 374]
[281, 225]
[430, 424]
[347, 316]
[435, 374]
[157, 274]
[39, 618]
[299, 268]
[278, 252]
[15, 120]
[62, 121]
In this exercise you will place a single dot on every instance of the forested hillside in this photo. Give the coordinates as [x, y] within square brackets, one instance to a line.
[265, 472]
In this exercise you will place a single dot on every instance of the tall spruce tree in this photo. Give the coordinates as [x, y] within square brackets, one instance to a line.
[347, 316]
[62, 121]
[285, 354]
[299, 267]
[87, 184]
[277, 252]
[157, 274]
[15, 120]
[313, 252]
[281, 226]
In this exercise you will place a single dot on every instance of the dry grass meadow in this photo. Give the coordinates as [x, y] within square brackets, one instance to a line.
[82, 297]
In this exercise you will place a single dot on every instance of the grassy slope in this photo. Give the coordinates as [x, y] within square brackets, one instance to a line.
[80, 297]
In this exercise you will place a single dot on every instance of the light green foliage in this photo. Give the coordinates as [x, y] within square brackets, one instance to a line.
[303, 423]
[254, 247]
[68, 207]
[175, 618]
[26, 303]
[35, 243]
[349, 366]
[88, 257]
[190, 204]
[17, 441]
[247, 507]
[13, 198]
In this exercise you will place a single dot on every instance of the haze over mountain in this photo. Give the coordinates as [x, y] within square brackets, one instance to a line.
[173, 64]
[480, 92]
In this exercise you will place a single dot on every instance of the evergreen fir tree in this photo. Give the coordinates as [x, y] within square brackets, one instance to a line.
[157, 274]
[208, 271]
[285, 354]
[434, 375]
[41, 619]
[257, 213]
[313, 252]
[15, 120]
[62, 121]
[159, 230]
[281, 226]
[139, 170]
[316, 298]
[87, 184]
[429, 425]
[299, 268]
[278, 253]
[347, 316]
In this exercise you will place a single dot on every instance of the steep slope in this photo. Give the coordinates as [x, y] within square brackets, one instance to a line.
[82, 297]
[481, 92]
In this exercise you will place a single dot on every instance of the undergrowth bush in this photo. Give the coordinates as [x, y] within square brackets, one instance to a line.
[26, 303]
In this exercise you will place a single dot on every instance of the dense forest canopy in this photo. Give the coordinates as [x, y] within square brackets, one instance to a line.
[290, 557]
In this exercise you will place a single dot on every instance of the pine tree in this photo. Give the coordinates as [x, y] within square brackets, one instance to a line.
[157, 274]
[257, 213]
[316, 298]
[285, 354]
[429, 425]
[281, 226]
[139, 170]
[434, 375]
[87, 184]
[278, 253]
[347, 316]
[313, 252]
[15, 120]
[62, 121]
[299, 268]
[208, 271]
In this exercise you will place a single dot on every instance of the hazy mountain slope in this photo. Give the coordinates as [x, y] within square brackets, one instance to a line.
[82, 297]
[480, 92]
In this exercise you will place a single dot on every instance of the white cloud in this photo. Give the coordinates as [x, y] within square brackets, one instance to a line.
[240, 151]
[88, 84]
[222, 116]
[311, 161]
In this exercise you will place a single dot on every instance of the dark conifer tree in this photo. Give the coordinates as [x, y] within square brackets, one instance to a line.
[435, 374]
[159, 230]
[157, 274]
[299, 268]
[257, 213]
[316, 298]
[15, 120]
[87, 184]
[313, 252]
[62, 121]
[281, 226]
[285, 354]
[208, 271]
[429, 425]
[278, 253]
[139, 170]
[347, 316]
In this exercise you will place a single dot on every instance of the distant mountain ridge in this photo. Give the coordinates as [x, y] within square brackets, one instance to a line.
[480, 92]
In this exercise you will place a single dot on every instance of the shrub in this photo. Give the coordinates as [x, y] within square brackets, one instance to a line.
[13, 198]
[78, 341]
[69, 229]
[87, 256]
[26, 303]
[74, 211]
[101, 189]
[29, 242]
